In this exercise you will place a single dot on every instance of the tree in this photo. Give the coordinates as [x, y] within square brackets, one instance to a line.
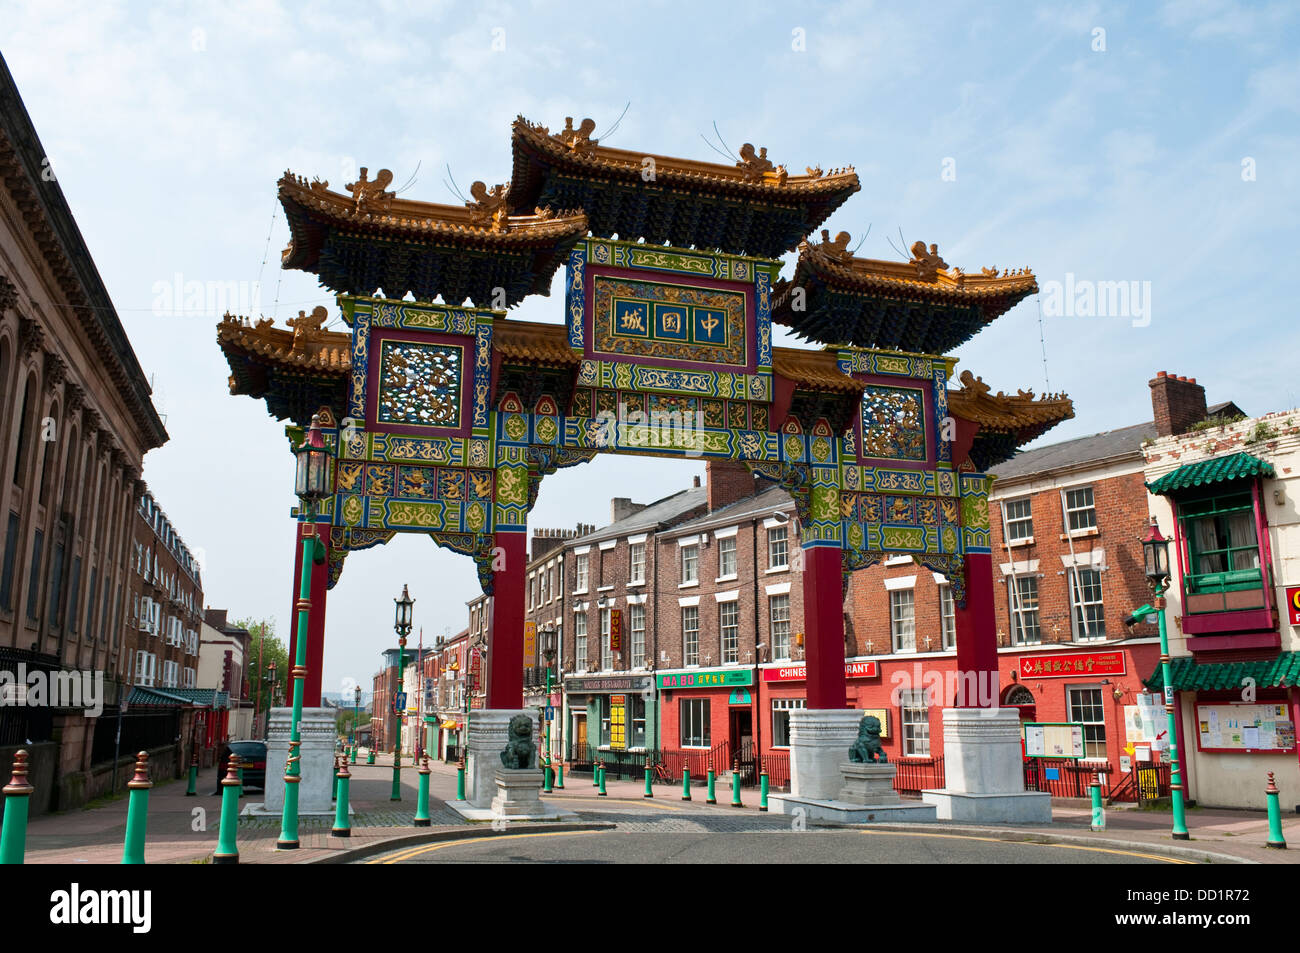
[264, 649]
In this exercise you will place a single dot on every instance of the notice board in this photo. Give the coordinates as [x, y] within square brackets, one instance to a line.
[1053, 740]
[1245, 728]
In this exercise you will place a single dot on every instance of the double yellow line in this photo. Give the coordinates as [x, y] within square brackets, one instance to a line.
[468, 842]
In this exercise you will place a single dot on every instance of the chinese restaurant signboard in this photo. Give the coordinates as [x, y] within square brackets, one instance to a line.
[797, 673]
[1063, 665]
[717, 678]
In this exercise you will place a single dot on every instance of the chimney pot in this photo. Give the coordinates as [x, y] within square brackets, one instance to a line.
[1176, 403]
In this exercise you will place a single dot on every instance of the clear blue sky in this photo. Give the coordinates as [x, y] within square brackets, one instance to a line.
[168, 125]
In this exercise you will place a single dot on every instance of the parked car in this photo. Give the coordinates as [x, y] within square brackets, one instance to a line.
[252, 754]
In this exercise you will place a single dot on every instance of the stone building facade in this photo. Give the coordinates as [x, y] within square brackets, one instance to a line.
[76, 420]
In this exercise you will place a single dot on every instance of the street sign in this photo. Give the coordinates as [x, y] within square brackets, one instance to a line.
[550, 712]
[530, 640]
[399, 702]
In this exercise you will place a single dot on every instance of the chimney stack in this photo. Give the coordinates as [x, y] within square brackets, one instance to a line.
[1177, 403]
[728, 481]
[621, 507]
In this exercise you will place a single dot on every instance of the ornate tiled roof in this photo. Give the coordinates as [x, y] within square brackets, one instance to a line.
[296, 370]
[1006, 421]
[1234, 466]
[1188, 676]
[753, 207]
[921, 305]
[543, 345]
[371, 240]
[814, 370]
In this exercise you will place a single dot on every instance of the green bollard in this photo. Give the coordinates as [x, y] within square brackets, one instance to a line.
[354, 754]
[601, 792]
[227, 851]
[334, 794]
[422, 796]
[709, 787]
[460, 779]
[559, 776]
[546, 778]
[342, 824]
[1098, 812]
[686, 783]
[18, 792]
[762, 785]
[370, 756]
[137, 812]
[648, 791]
[193, 788]
[735, 784]
[1275, 838]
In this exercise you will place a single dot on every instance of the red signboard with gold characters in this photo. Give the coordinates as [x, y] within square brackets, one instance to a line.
[1293, 604]
[616, 630]
[1062, 665]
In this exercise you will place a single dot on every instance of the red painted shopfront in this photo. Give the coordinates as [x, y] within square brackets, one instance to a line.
[1072, 683]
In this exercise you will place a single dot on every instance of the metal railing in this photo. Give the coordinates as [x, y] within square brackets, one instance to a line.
[915, 775]
[1064, 777]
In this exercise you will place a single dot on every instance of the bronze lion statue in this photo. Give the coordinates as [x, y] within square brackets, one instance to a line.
[520, 750]
[867, 749]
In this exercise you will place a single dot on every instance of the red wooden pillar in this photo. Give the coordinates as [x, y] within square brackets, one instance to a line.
[315, 618]
[505, 688]
[823, 613]
[977, 640]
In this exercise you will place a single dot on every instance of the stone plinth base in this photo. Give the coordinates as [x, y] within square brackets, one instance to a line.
[984, 779]
[868, 784]
[820, 739]
[518, 793]
[316, 767]
[489, 731]
[1028, 807]
[842, 812]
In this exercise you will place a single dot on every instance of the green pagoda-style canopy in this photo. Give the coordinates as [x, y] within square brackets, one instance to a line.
[1187, 676]
[1235, 466]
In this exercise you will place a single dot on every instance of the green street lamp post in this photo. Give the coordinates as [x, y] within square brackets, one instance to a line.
[402, 625]
[311, 486]
[356, 715]
[1155, 550]
[548, 652]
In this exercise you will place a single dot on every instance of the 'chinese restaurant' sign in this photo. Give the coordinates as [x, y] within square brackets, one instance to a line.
[797, 673]
[717, 678]
[1061, 665]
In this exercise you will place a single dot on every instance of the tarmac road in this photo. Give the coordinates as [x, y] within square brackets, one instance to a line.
[785, 847]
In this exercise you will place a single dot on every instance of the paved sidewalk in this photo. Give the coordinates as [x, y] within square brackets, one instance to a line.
[95, 835]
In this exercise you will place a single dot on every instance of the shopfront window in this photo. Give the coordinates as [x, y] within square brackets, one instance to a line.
[781, 708]
[636, 710]
[1086, 709]
[694, 716]
[603, 702]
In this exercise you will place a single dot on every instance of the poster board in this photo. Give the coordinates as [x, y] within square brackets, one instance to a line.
[883, 715]
[1244, 728]
[1053, 740]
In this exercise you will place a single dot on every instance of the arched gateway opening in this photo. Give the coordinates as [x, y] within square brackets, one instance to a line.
[442, 418]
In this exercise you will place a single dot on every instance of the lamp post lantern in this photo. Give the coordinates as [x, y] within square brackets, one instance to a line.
[548, 652]
[311, 484]
[1155, 552]
[402, 625]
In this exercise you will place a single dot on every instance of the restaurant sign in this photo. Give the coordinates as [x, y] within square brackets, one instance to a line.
[715, 678]
[1063, 665]
[797, 673]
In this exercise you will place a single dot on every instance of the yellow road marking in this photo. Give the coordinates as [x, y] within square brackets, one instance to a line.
[1003, 840]
[469, 842]
[647, 802]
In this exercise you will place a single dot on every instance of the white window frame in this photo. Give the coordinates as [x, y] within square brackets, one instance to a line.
[1013, 534]
[694, 714]
[727, 547]
[635, 566]
[1020, 612]
[581, 568]
[690, 558]
[778, 625]
[730, 644]
[914, 728]
[1075, 706]
[778, 535]
[902, 619]
[1083, 630]
[947, 617]
[635, 614]
[1089, 508]
[690, 636]
[580, 641]
[780, 709]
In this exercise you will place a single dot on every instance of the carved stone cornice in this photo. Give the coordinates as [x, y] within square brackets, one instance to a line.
[8, 294]
[93, 424]
[30, 335]
[55, 372]
[76, 397]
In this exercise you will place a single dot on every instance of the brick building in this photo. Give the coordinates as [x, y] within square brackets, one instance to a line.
[76, 420]
[447, 665]
[1228, 497]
